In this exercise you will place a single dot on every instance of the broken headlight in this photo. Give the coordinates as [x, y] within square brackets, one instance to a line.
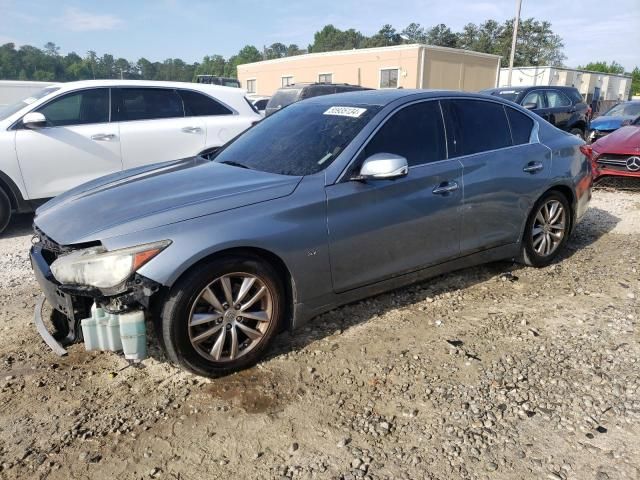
[101, 268]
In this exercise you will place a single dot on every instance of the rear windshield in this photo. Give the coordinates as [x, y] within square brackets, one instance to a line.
[282, 98]
[303, 139]
[624, 109]
[510, 95]
[6, 112]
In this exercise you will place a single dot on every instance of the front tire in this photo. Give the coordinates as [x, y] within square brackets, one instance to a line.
[5, 210]
[223, 315]
[547, 230]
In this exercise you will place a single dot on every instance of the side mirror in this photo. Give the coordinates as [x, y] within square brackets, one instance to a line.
[530, 105]
[34, 120]
[383, 166]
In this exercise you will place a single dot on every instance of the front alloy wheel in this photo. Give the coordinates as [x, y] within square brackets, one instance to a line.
[222, 315]
[230, 317]
[547, 230]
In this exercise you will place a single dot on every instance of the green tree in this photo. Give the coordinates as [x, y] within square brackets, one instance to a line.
[276, 50]
[635, 81]
[211, 65]
[331, 39]
[293, 50]
[441, 36]
[385, 37]
[415, 33]
[51, 49]
[604, 67]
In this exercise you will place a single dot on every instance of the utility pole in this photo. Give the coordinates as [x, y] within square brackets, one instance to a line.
[513, 41]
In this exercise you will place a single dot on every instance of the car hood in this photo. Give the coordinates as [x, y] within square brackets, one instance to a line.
[623, 141]
[609, 123]
[153, 196]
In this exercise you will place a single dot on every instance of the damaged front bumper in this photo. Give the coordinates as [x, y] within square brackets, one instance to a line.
[72, 303]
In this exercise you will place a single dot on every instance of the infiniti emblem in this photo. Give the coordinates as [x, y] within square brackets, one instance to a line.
[633, 164]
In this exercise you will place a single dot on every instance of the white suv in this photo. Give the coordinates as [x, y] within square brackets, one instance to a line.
[71, 133]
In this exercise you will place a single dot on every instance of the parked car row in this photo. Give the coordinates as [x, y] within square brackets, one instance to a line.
[71, 133]
[330, 200]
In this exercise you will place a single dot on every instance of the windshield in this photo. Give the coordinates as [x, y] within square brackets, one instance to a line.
[302, 139]
[9, 110]
[624, 110]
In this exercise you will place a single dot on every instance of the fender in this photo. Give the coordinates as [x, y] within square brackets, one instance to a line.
[18, 203]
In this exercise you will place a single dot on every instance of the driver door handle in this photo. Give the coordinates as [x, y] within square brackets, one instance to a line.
[445, 188]
[103, 137]
[191, 129]
[533, 167]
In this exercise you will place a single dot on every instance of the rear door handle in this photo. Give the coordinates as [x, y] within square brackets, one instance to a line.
[191, 129]
[103, 137]
[445, 188]
[533, 167]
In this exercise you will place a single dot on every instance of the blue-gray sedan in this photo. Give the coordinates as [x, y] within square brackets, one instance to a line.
[328, 201]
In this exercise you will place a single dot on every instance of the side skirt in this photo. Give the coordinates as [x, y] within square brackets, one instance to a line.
[305, 312]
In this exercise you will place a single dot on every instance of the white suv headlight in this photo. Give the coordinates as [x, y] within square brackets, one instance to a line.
[100, 268]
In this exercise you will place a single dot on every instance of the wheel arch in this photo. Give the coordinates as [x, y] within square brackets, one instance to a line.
[561, 188]
[257, 253]
[18, 203]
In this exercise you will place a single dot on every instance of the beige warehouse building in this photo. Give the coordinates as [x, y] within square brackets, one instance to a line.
[400, 66]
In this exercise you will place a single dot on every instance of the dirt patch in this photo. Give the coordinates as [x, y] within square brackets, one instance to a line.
[256, 390]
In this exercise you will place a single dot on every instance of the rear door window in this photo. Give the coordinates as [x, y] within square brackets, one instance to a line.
[557, 99]
[200, 105]
[148, 104]
[416, 132]
[521, 126]
[475, 126]
[78, 108]
[536, 97]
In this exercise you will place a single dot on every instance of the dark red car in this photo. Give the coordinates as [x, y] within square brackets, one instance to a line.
[616, 155]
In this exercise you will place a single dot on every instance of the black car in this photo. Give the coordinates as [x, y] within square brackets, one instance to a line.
[299, 91]
[563, 107]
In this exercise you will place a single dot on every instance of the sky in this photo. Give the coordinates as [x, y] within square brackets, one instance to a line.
[189, 29]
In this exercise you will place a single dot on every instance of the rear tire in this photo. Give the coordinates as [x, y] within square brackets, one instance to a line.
[547, 230]
[5, 210]
[207, 327]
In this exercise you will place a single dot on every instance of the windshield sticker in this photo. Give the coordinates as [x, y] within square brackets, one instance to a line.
[354, 112]
[29, 100]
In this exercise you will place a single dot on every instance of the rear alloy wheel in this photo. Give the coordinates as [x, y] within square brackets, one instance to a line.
[5, 210]
[547, 230]
[223, 315]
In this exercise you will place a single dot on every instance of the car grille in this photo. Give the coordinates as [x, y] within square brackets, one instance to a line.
[613, 162]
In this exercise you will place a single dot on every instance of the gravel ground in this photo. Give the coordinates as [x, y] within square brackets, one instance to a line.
[496, 372]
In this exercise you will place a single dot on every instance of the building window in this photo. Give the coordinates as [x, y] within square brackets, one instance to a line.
[251, 86]
[389, 78]
[325, 78]
[286, 81]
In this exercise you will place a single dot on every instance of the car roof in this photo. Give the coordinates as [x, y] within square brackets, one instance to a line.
[522, 88]
[386, 96]
[206, 87]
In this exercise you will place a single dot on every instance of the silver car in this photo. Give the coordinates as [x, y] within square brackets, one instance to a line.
[328, 201]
